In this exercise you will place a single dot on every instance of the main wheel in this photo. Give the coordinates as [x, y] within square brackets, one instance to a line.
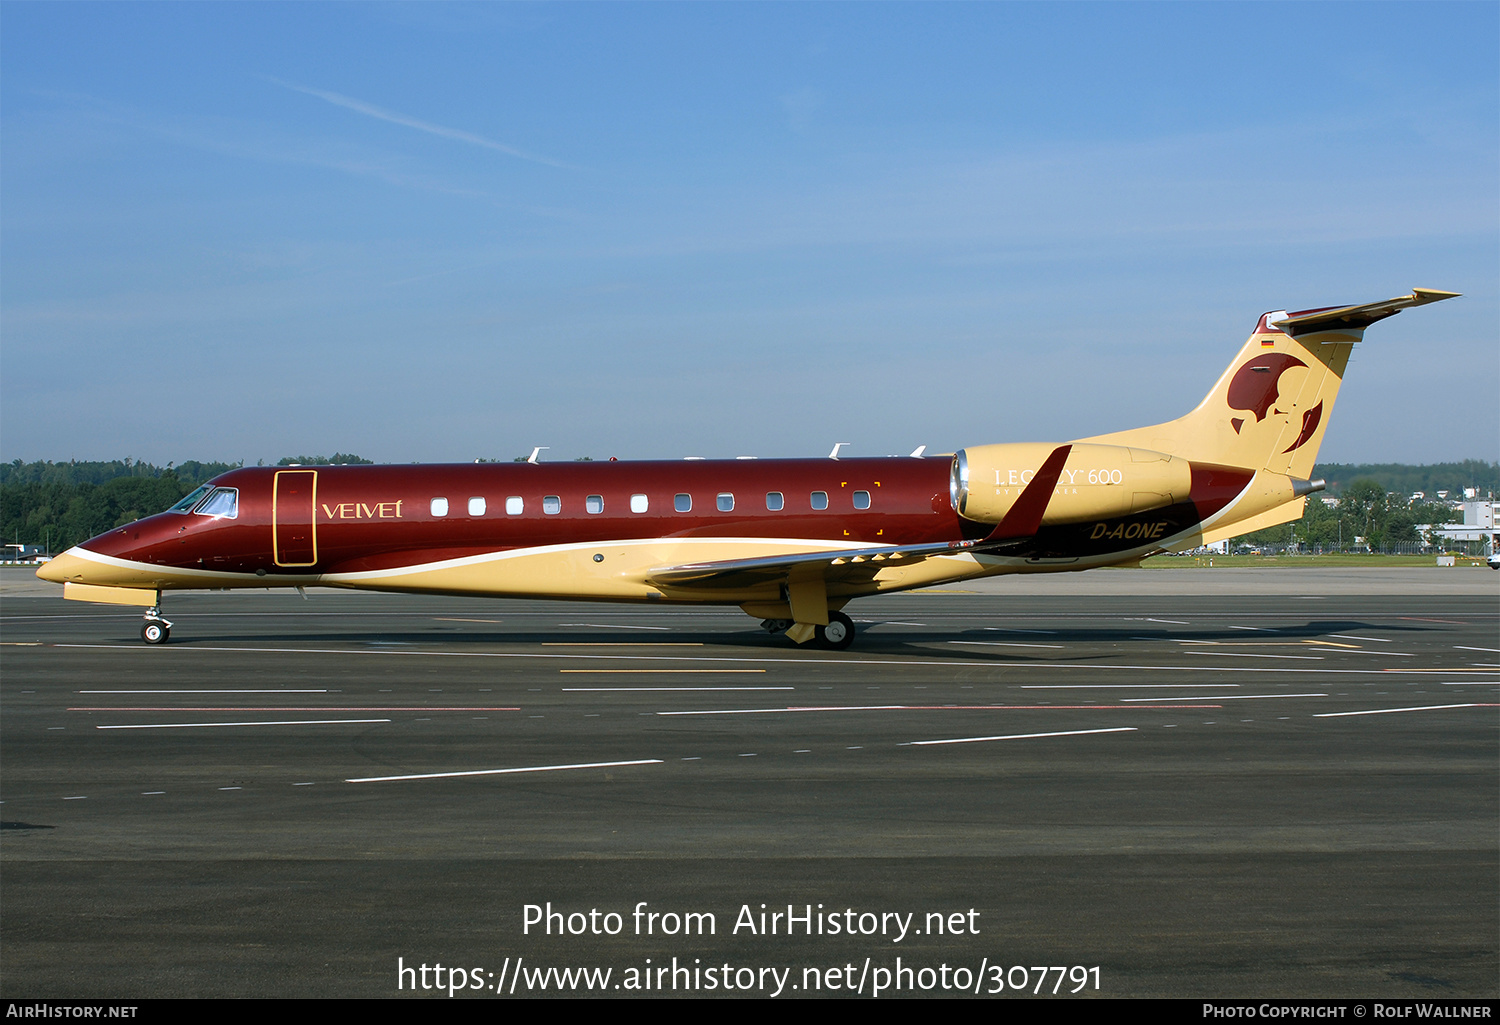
[838, 634]
[155, 633]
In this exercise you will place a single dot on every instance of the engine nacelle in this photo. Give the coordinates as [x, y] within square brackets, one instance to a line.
[1097, 481]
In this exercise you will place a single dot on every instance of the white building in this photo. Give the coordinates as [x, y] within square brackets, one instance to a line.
[1479, 522]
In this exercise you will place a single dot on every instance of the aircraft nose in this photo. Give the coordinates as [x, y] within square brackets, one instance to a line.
[63, 568]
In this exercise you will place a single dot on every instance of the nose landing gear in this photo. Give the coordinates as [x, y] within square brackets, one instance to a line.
[155, 630]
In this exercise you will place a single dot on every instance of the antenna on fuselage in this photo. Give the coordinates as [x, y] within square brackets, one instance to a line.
[835, 453]
[536, 454]
[917, 452]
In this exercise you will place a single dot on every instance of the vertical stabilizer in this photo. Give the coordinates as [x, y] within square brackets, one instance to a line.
[1270, 409]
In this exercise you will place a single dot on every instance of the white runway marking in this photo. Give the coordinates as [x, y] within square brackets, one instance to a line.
[321, 691]
[616, 626]
[1418, 708]
[1020, 736]
[1352, 637]
[930, 708]
[1227, 697]
[661, 671]
[1469, 683]
[504, 772]
[1176, 622]
[1245, 654]
[612, 690]
[1465, 647]
[1120, 686]
[765, 711]
[192, 725]
[1257, 629]
[1356, 651]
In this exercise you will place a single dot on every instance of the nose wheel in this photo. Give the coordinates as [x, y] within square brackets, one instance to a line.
[155, 630]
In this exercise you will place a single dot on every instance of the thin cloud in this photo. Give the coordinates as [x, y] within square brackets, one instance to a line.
[456, 134]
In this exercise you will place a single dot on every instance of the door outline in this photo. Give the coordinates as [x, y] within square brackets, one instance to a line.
[312, 517]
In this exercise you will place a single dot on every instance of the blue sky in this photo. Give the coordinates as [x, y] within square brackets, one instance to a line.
[439, 232]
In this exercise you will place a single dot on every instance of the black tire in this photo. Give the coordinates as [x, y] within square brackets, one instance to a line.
[838, 634]
[155, 633]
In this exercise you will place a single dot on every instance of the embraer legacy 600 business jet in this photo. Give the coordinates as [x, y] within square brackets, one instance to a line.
[790, 542]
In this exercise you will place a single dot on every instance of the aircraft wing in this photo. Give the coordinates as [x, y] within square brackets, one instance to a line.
[836, 563]
[1012, 534]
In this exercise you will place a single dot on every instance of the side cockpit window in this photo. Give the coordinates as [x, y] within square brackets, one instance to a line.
[224, 503]
[192, 499]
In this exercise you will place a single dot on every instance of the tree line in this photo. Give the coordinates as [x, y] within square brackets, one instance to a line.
[57, 505]
[1365, 510]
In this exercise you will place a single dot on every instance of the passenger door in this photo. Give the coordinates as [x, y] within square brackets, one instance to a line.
[294, 529]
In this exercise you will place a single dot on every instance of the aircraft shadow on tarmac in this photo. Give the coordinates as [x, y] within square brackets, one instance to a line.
[929, 644]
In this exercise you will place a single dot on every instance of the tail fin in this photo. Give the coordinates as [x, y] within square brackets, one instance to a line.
[1270, 409]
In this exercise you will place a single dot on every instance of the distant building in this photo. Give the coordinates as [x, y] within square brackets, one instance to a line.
[1479, 522]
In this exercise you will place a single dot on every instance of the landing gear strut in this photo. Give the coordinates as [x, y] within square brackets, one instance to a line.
[155, 630]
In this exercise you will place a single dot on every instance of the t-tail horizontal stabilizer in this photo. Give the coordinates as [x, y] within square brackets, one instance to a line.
[1357, 317]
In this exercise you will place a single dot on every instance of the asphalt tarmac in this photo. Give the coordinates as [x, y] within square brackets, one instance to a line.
[1154, 783]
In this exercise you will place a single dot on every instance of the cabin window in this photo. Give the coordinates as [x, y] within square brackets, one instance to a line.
[638, 503]
[223, 503]
[682, 503]
[514, 505]
[551, 505]
[440, 507]
[820, 500]
[476, 507]
[725, 501]
[594, 503]
[775, 501]
[861, 500]
[192, 499]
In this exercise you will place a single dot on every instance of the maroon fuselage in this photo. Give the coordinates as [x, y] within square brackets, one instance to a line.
[381, 517]
[296, 521]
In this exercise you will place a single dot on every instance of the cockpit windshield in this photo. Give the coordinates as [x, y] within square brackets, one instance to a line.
[186, 505]
[223, 503]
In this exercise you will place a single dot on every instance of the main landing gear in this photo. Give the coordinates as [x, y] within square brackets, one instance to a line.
[155, 630]
[836, 636]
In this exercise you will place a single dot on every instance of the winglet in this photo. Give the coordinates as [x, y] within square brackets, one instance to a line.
[1025, 517]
